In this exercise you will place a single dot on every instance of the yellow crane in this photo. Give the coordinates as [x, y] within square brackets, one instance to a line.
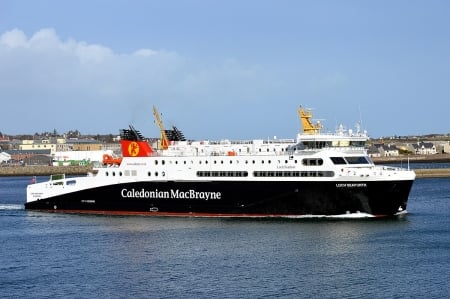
[164, 141]
[308, 126]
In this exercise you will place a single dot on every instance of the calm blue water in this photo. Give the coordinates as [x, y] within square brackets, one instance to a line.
[46, 255]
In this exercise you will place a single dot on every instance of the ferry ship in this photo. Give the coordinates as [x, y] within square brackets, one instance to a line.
[315, 174]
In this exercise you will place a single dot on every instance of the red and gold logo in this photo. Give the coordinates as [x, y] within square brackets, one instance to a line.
[133, 149]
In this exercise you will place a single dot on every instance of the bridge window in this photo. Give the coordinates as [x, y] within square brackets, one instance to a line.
[357, 160]
[338, 160]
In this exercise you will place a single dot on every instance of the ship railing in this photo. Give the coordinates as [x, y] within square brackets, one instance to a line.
[349, 149]
[344, 133]
[367, 171]
[393, 168]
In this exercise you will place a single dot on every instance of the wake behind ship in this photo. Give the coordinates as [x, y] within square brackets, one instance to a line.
[314, 175]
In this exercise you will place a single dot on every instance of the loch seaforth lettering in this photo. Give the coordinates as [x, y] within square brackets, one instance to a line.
[170, 194]
[352, 185]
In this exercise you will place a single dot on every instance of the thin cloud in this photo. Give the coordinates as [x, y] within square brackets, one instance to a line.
[63, 78]
[14, 39]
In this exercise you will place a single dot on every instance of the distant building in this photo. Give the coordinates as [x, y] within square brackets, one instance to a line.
[383, 150]
[390, 150]
[424, 148]
[37, 146]
[4, 157]
[84, 144]
[446, 148]
[373, 151]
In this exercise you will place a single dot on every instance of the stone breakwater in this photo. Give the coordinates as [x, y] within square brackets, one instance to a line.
[433, 173]
[44, 170]
[437, 158]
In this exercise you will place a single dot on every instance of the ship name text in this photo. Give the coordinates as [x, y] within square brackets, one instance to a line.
[351, 185]
[170, 194]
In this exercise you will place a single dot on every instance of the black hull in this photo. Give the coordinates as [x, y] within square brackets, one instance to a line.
[235, 199]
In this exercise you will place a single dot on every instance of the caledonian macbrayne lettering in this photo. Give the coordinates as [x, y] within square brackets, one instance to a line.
[170, 194]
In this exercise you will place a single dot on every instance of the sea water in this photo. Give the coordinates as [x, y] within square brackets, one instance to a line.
[48, 255]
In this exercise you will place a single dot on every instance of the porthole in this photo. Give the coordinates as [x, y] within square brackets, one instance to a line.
[149, 173]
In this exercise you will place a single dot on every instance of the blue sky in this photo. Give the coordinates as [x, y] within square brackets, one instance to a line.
[224, 69]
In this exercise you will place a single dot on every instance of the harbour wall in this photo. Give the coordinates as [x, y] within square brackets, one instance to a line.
[41, 170]
[432, 173]
[82, 170]
[437, 158]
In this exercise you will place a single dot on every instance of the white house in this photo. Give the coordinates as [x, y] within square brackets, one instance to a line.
[424, 148]
[4, 157]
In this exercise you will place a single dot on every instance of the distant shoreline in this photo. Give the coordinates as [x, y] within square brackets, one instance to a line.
[42, 170]
[437, 158]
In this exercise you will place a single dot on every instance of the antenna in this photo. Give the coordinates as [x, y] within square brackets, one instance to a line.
[360, 118]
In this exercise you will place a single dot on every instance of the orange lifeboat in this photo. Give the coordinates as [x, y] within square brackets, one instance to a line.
[110, 160]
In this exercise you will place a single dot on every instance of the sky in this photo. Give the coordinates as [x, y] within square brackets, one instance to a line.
[224, 69]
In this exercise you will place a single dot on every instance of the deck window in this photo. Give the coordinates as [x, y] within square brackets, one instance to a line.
[293, 173]
[312, 162]
[357, 160]
[338, 160]
[222, 173]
